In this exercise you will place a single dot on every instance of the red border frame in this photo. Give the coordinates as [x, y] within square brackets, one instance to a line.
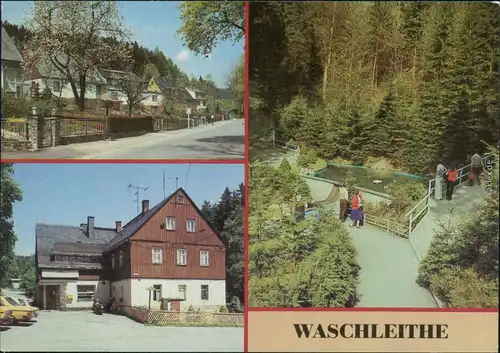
[381, 309]
[247, 159]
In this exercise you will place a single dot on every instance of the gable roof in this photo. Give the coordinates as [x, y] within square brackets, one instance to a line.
[50, 236]
[135, 224]
[46, 69]
[9, 49]
[166, 85]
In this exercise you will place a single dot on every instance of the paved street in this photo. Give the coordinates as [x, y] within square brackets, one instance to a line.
[223, 140]
[84, 331]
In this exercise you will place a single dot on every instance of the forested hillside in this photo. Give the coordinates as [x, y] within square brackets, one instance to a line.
[417, 83]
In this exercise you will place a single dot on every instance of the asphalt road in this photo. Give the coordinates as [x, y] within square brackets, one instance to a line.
[83, 331]
[223, 140]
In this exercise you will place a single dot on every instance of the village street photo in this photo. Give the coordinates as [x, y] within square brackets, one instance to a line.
[122, 257]
[374, 154]
[146, 83]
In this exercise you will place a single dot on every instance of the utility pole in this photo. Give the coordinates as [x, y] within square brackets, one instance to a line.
[137, 189]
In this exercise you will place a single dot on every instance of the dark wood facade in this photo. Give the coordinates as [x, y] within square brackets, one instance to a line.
[118, 272]
[154, 234]
[138, 251]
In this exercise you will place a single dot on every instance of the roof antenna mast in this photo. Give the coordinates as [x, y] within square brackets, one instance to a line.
[137, 192]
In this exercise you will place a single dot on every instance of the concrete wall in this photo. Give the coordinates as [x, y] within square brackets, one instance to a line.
[122, 292]
[170, 289]
[148, 101]
[101, 292]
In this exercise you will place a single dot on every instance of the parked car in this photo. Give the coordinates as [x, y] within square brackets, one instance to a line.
[20, 312]
[6, 317]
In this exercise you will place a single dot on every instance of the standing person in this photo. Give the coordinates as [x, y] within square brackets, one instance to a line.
[344, 202]
[477, 167]
[451, 178]
[356, 213]
[438, 187]
[212, 118]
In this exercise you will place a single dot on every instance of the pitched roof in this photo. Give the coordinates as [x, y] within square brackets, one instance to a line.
[135, 224]
[9, 49]
[48, 235]
[46, 69]
[168, 85]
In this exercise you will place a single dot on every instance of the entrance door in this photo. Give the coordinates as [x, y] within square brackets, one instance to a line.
[51, 295]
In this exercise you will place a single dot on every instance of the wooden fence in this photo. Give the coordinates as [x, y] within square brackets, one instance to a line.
[177, 318]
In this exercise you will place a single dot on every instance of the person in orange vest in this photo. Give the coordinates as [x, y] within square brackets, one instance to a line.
[356, 211]
[451, 178]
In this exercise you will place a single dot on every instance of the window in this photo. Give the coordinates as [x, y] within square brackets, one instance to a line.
[79, 259]
[85, 293]
[120, 258]
[154, 98]
[56, 85]
[114, 96]
[191, 225]
[19, 91]
[170, 223]
[58, 258]
[182, 291]
[156, 292]
[121, 298]
[204, 258]
[157, 256]
[180, 199]
[112, 261]
[204, 292]
[181, 257]
[11, 301]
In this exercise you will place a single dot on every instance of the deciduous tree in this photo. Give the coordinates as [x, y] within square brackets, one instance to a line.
[205, 23]
[71, 37]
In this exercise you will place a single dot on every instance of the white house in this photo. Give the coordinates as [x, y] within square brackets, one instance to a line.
[13, 76]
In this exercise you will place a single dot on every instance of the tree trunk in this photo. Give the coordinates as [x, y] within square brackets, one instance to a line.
[374, 70]
[328, 61]
[74, 89]
[81, 99]
[414, 68]
[130, 110]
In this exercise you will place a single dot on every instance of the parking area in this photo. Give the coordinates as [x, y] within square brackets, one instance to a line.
[85, 331]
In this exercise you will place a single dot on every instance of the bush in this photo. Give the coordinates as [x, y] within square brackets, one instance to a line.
[404, 196]
[13, 107]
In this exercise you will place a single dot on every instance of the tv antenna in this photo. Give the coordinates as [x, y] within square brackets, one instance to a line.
[137, 192]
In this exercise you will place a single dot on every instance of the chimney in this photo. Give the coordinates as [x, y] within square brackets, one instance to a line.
[118, 226]
[145, 206]
[90, 227]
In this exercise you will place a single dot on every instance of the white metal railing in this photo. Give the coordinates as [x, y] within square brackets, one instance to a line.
[462, 176]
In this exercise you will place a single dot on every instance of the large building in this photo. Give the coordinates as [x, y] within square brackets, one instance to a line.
[167, 257]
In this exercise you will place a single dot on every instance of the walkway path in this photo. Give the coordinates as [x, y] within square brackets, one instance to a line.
[466, 199]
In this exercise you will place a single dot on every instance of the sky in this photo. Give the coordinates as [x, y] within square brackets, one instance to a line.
[67, 193]
[154, 24]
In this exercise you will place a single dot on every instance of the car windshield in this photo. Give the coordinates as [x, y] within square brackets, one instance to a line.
[11, 301]
[21, 301]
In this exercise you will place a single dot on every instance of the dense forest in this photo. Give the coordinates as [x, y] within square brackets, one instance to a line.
[416, 83]
[307, 263]
[226, 217]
